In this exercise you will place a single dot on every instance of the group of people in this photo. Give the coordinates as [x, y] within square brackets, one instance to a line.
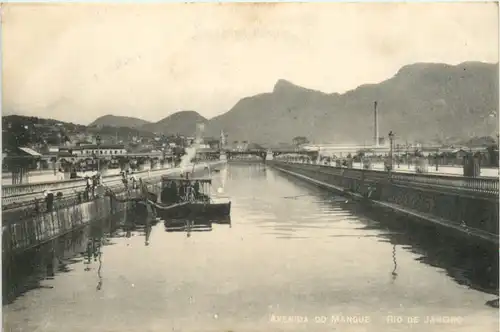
[180, 191]
[60, 174]
[91, 183]
[129, 176]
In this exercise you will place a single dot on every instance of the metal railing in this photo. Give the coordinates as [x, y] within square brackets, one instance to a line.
[479, 184]
[489, 185]
[8, 175]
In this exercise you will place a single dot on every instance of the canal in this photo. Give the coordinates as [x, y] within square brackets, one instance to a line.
[294, 257]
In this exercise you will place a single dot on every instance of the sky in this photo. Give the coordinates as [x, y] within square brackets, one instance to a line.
[76, 62]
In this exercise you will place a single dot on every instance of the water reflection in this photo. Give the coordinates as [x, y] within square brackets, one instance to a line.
[194, 225]
[394, 273]
[467, 262]
[27, 271]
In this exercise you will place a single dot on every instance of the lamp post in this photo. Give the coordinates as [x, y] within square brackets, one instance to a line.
[391, 139]
[408, 154]
[437, 159]
[98, 141]
[498, 152]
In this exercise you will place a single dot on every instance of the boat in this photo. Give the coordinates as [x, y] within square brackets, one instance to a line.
[189, 198]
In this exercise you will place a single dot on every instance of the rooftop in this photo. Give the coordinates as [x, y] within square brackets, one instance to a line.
[30, 152]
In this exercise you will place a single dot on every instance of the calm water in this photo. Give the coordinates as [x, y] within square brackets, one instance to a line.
[291, 250]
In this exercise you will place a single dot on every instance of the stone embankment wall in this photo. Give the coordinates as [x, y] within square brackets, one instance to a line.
[30, 226]
[466, 205]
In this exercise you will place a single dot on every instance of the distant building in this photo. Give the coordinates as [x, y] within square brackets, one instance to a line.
[460, 153]
[92, 149]
[20, 161]
[213, 144]
[84, 143]
[53, 149]
[242, 146]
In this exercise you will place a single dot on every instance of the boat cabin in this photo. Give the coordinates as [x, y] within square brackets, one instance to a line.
[182, 189]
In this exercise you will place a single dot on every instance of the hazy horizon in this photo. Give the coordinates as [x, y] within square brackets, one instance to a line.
[76, 62]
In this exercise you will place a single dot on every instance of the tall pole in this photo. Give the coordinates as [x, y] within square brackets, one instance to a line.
[437, 159]
[408, 154]
[98, 141]
[391, 137]
[375, 122]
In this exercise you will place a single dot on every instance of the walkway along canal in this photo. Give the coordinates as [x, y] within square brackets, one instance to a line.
[294, 257]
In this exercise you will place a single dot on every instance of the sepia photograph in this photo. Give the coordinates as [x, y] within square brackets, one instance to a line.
[242, 167]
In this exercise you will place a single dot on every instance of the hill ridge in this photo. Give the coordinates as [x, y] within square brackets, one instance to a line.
[421, 101]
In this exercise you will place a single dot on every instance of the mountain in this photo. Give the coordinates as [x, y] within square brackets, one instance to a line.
[423, 101]
[182, 123]
[118, 121]
[427, 102]
[12, 120]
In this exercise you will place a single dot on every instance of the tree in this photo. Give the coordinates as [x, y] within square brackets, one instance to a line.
[15, 136]
[53, 139]
[300, 140]
[493, 155]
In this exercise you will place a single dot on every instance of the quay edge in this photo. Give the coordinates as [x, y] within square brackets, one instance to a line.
[463, 214]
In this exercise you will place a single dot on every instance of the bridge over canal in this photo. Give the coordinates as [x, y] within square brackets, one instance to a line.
[263, 154]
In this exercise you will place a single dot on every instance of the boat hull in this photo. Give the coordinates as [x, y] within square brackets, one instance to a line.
[143, 213]
[194, 211]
